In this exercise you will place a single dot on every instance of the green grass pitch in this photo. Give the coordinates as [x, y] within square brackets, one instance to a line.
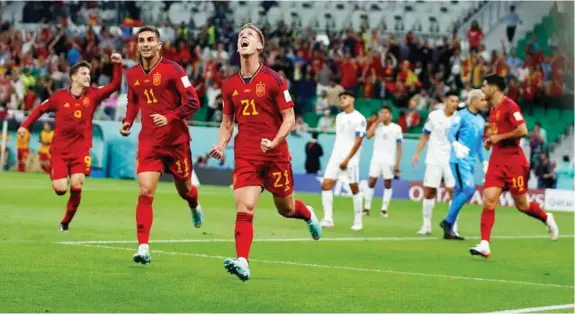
[384, 268]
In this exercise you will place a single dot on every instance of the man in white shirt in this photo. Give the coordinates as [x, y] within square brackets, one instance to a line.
[385, 159]
[344, 160]
[437, 160]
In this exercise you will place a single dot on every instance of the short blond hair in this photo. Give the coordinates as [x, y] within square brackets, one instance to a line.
[257, 30]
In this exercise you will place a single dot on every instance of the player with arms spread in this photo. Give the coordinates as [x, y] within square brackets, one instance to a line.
[258, 99]
[70, 148]
[508, 167]
[161, 90]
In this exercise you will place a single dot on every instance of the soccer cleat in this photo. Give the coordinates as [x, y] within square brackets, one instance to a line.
[357, 226]
[365, 212]
[143, 255]
[384, 214]
[325, 223]
[238, 267]
[313, 225]
[63, 227]
[482, 249]
[552, 227]
[424, 231]
[448, 233]
[197, 216]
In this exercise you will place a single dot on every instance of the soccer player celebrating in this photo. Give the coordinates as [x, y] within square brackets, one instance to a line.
[70, 149]
[46, 137]
[508, 166]
[385, 159]
[344, 160]
[162, 91]
[437, 160]
[258, 99]
[466, 138]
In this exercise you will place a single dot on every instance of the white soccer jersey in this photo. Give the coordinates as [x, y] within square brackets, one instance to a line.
[348, 126]
[439, 149]
[385, 143]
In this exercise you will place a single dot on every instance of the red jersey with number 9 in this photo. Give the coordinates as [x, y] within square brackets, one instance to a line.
[505, 118]
[256, 104]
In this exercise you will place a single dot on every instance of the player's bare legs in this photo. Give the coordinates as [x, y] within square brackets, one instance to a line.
[292, 208]
[60, 186]
[534, 210]
[429, 195]
[148, 182]
[189, 193]
[368, 196]
[327, 202]
[386, 198]
[246, 200]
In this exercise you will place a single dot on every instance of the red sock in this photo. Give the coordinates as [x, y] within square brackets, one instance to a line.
[192, 197]
[72, 206]
[22, 166]
[536, 212]
[244, 234]
[301, 211]
[144, 218]
[487, 221]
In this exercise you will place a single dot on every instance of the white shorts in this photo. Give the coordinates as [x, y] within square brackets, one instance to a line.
[434, 174]
[377, 170]
[349, 175]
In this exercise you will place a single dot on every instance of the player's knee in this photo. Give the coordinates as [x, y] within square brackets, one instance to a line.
[372, 183]
[146, 190]
[327, 185]
[59, 192]
[429, 194]
[489, 201]
[245, 208]
[387, 184]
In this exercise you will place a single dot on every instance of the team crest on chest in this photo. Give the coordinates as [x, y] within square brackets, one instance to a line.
[86, 101]
[157, 79]
[260, 89]
[497, 113]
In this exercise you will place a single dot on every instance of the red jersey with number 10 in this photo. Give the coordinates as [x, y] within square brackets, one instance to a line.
[73, 120]
[165, 90]
[505, 118]
[256, 105]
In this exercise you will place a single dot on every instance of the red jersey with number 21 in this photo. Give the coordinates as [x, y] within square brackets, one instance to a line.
[505, 118]
[256, 105]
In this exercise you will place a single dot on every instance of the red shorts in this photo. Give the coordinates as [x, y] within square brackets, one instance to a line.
[23, 154]
[177, 159]
[276, 177]
[44, 156]
[511, 174]
[63, 165]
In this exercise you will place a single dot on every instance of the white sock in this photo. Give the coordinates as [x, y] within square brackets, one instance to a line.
[357, 208]
[144, 247]
[454, 228]
[386, 199]
[427, 212]
[327, 201]
[368, 197]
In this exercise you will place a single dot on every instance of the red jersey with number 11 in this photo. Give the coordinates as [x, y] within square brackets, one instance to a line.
[505, 118]
[256, 104]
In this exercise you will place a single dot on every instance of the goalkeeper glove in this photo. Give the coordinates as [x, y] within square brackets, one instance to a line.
[461, 151]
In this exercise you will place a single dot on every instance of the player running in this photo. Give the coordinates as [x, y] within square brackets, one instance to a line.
[344, 160]
[161, 90]
[466, 138]
[437, 161]
[70, 148]
[258, 99]
[385, 159]
[508, 166]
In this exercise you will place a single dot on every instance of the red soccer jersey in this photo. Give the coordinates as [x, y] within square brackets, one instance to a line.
[256, 105]
[164, 90]
[505, 118]
[73, 121]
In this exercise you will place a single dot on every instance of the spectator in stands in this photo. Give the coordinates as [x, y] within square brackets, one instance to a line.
[537, 140]
[410, 118]
[474, 36]
[313, 153]
[565, 174]
[326, 122]
[321, 103]
[212, 92]
[513, 20]
[333, 92]
[544, 172]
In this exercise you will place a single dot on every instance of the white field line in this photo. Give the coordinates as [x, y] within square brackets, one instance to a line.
[374, 239]
[537, 309]
[404, 273]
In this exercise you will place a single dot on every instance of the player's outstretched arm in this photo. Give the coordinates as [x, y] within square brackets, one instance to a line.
[225, 134]
[114, 85]
[189, 101]
[288, 124]
[47, 106]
